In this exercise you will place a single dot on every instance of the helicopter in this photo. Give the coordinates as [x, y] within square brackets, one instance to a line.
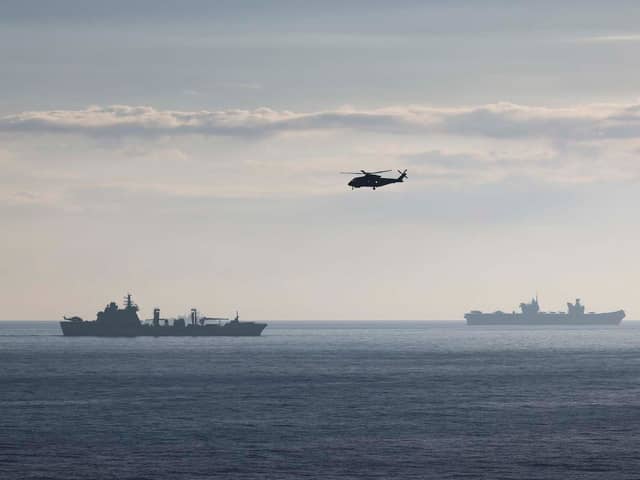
[373, 180]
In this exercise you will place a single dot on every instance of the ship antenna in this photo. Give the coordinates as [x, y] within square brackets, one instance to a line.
[128, 302]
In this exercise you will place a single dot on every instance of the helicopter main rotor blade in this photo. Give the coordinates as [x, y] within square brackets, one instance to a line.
[364, 172]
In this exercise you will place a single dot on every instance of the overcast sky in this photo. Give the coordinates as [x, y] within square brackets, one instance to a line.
[189, 152]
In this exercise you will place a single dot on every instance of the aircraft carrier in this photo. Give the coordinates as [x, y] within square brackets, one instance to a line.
[530, 314]
[124, 322]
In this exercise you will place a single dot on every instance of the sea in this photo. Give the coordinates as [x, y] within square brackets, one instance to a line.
[323, 400]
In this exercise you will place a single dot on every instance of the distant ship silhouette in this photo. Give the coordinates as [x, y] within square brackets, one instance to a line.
[531, 315]
[124, 322]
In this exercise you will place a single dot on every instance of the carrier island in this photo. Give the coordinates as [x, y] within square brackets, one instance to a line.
[124, 322]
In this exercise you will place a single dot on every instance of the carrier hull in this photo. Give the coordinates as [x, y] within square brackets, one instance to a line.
[609, 318]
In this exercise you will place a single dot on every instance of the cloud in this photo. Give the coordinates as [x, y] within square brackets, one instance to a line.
[499, 120]
[623, 38]
[170, 153]
[438, 158]
[241, 85]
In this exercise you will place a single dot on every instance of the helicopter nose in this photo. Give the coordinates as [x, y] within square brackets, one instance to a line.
[350, 183]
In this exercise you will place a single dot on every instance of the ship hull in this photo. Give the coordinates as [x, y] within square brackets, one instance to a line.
[609, 318]
[94, 329]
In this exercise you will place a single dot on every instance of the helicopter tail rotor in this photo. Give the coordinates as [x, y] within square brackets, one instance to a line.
[403, 175]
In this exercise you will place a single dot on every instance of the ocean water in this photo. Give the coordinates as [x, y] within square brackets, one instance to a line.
[325, 400]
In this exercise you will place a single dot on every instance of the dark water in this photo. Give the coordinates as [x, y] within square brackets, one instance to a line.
[323, 400]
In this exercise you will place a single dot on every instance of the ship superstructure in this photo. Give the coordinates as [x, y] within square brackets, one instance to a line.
[530, 314]
[124, 322]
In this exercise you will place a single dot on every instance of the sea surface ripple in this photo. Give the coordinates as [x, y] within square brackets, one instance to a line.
[325, 400]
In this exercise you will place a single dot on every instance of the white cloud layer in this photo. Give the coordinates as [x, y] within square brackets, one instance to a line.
[51, 157]
[499, 120]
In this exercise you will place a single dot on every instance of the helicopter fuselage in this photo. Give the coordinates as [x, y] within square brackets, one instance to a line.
[372, 181]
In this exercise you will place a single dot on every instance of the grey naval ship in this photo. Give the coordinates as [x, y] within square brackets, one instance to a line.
[531, 315]
[124, 322]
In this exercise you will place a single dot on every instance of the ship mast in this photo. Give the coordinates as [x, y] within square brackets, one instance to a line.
[128, 303]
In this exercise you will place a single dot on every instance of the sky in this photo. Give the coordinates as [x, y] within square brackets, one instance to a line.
[189, 153]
